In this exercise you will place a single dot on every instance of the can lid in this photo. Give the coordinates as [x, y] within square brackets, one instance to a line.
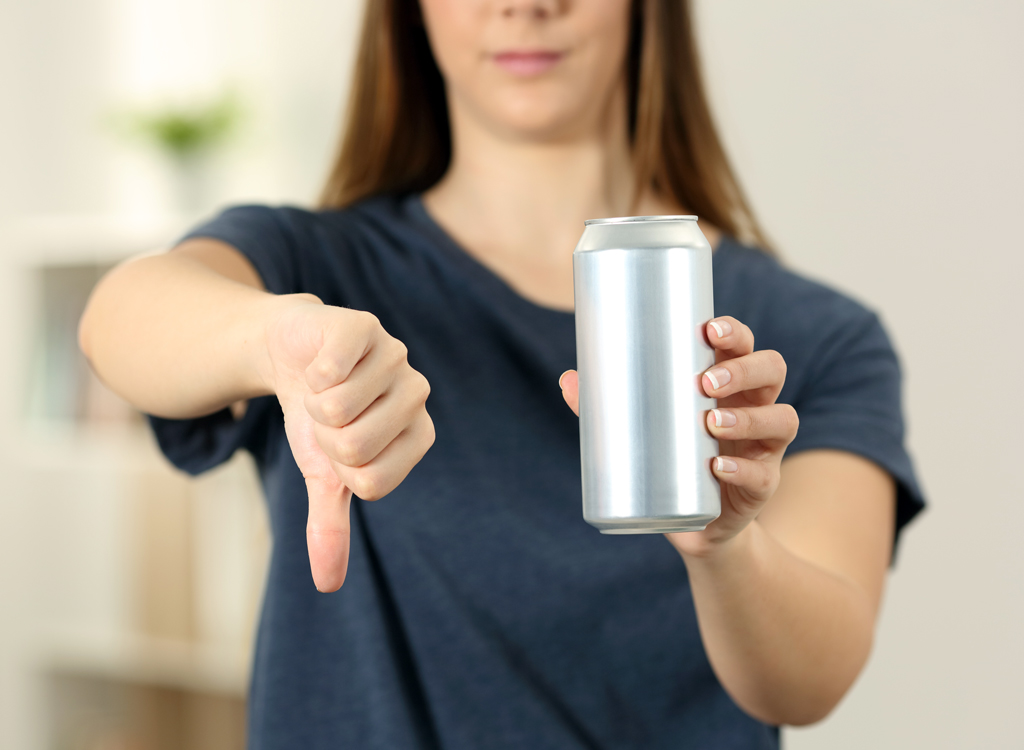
[637, 219]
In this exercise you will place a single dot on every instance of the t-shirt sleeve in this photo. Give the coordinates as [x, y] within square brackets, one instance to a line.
[851, 401]
[265, 236]
[199, 444]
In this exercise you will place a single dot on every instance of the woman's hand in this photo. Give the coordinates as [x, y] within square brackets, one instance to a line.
[354, 413]
[752, 430]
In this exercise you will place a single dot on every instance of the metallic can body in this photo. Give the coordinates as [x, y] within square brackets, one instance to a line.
[643, 294]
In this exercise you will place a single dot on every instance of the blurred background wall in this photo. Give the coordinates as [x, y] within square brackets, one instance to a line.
[880, 144]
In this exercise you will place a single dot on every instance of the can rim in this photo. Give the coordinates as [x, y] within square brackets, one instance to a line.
[637, 219]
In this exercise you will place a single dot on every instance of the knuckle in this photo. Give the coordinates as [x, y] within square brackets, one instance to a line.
[422, 388]
[368, 322]
[792, 419]
[777, 361]
[335, 411]
[399, 352]
[753, 421]
[740, 370]
[430, 433]
[367, 484]
[350, 451]
[326, 368]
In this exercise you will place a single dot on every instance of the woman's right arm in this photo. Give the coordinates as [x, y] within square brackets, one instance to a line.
[188, 332]
[182, 334]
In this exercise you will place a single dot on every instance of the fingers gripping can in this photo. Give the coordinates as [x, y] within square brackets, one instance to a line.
[643, 296]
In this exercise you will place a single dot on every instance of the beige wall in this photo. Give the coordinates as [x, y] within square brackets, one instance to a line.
[881, 144]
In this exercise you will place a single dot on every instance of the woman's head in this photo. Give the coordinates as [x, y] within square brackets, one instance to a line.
[536, 69]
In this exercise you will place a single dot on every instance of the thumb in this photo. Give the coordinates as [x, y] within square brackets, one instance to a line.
[327, 531]
[570, 385]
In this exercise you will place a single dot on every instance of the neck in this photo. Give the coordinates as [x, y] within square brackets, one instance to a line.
[519, 205]
[508, 195]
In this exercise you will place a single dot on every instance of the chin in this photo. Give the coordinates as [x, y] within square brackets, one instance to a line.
[538, 117]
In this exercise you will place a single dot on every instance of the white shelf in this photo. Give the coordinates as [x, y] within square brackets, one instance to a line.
[85, 239]
[71, 446]
[130, 557]
[145, 660]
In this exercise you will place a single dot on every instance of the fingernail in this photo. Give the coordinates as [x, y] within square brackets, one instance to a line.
[719, 377]
[726, 465]
[562, 377]
[722, 327]
[724, 417]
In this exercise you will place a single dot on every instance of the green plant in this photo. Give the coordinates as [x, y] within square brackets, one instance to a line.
[184, 131]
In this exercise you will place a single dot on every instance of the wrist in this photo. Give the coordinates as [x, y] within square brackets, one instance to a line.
[723, 554]
[275, 307]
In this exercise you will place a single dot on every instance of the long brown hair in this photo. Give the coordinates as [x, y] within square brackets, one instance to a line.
[397, 138]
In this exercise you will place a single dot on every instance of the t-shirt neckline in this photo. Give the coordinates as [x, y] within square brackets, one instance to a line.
[469, 264]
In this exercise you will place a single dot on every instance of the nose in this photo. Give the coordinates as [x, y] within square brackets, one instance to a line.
[529, 8]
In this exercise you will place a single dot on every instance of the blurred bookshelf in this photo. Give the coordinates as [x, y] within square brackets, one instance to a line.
[135, 587]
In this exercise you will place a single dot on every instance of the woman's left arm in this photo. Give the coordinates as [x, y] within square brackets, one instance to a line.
[787, 608]
[786, 592]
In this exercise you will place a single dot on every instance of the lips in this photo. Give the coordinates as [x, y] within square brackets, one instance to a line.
[527, 63]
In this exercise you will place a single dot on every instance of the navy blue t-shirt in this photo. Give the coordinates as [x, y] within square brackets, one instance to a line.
[480, 610]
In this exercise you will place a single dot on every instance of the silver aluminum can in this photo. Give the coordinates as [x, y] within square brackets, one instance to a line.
[643, 295]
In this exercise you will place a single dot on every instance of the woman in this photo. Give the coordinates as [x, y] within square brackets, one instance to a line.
[478, 609]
